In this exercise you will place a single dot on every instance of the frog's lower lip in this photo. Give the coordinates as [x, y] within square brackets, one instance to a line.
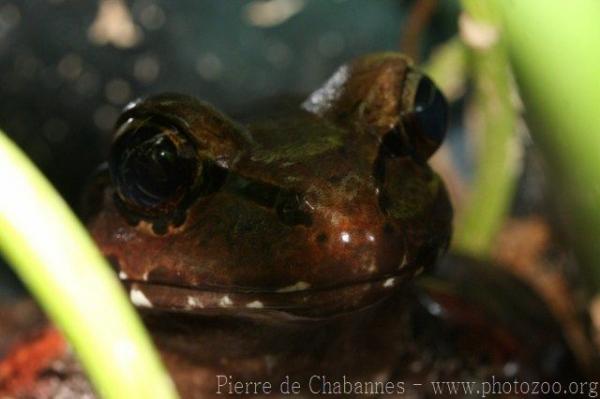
[313, 302]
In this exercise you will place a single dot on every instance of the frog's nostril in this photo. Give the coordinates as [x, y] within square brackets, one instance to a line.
[322, 238]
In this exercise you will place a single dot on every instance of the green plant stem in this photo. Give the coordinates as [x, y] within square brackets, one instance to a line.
[447, 67]
[496, 167]
[54, 256]
[555, 51]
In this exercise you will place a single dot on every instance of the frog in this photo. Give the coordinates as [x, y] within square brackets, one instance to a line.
[316, 213]
[282, 252]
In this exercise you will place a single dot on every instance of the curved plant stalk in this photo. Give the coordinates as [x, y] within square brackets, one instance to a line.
[54, 256]
[496, 151]
[447, 67]
[555, 52]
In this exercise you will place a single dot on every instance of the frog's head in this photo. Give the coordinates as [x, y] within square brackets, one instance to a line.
[325, 210]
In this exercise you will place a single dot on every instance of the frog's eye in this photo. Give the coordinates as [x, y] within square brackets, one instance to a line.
[426, 124]
[153, 166]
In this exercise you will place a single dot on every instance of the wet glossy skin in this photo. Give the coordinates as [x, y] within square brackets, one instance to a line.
[253, 251]
[328, 209]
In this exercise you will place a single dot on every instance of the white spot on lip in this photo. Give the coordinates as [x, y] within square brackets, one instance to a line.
[299, 286]
[255, 305]
[225, 302]
[389, 282]
[194, 303]
[122, 275]
[139, 299]
[345, 237]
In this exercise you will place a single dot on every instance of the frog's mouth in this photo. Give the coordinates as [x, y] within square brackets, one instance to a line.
[297, 301]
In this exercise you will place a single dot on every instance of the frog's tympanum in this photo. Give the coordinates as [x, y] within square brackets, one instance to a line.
[284, 247]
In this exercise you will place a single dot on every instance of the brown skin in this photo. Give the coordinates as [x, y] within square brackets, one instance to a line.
[286, 247]
[232, 285]
[364, 218]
